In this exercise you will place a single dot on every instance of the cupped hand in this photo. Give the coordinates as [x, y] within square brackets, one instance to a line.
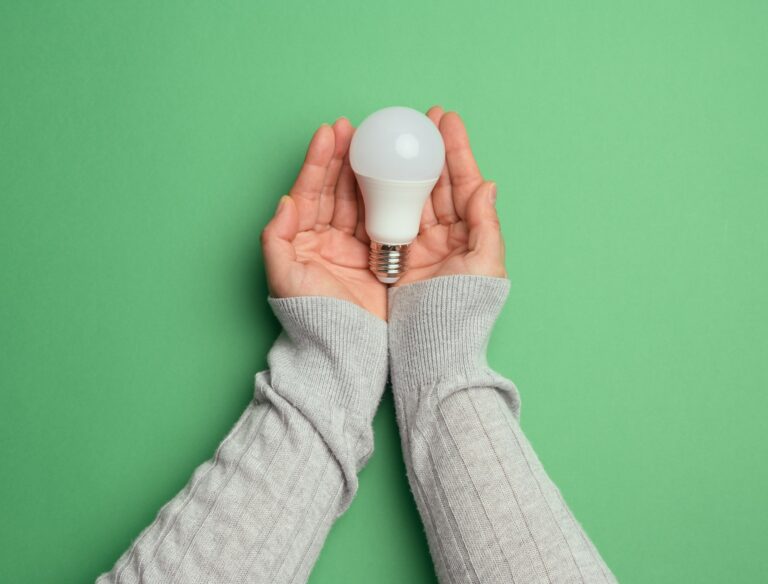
[316, 244]
[459, 231]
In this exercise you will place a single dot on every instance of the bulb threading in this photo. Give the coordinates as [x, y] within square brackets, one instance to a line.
[388, 262]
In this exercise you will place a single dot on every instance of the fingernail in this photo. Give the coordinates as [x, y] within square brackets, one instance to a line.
[492, 194]
[281, 204]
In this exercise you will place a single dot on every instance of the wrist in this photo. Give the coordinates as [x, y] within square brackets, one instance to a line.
[439, 329]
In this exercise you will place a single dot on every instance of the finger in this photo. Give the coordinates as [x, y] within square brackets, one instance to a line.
[277, 242]
[485, 238]
[342, 131]
[309, 184]
[442, 195]
[428, 217]
[345, 208]
[442, 200]
[435, 113]
[464, 173]
[360, 232]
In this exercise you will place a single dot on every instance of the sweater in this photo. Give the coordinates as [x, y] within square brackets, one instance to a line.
[259, 510]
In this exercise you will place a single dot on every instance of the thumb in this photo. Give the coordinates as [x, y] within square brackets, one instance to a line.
[485, 238]
[277, 242]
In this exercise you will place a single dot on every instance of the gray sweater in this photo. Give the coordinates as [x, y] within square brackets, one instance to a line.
[260, 510]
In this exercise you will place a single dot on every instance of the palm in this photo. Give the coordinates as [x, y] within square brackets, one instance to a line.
[316, 244]
[439, 250]
[335, 263]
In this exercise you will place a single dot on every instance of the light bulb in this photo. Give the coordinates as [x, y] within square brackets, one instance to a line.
[397, 155]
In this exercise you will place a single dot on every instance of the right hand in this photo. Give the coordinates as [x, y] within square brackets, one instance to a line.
[459, 231]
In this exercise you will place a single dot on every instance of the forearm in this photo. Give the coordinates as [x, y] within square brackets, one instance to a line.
[491, 512]
[261, 508]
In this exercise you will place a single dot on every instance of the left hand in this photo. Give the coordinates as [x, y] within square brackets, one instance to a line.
[316, 244]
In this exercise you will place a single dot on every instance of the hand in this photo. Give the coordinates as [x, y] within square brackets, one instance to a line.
[316, 244]
[459, 231]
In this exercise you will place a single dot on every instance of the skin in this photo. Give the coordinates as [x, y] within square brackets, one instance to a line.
[316, 244]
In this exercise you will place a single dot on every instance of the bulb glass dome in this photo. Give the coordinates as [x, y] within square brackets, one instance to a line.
[397, 144]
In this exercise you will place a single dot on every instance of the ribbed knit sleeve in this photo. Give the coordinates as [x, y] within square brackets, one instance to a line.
[491, 513]
[260, 509]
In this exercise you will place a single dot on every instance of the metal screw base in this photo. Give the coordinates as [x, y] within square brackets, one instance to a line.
[388, 262]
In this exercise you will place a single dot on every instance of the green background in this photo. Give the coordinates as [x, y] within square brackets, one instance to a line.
[143, 146]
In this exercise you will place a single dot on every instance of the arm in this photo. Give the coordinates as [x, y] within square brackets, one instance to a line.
[490, 511]
[261, 508]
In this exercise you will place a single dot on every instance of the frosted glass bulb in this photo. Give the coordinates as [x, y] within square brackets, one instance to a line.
[397, 155]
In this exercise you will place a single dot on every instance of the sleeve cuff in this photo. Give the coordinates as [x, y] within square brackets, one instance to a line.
[439, 330]
[330, 352]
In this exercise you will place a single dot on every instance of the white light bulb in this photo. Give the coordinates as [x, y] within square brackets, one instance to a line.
[397, 154]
